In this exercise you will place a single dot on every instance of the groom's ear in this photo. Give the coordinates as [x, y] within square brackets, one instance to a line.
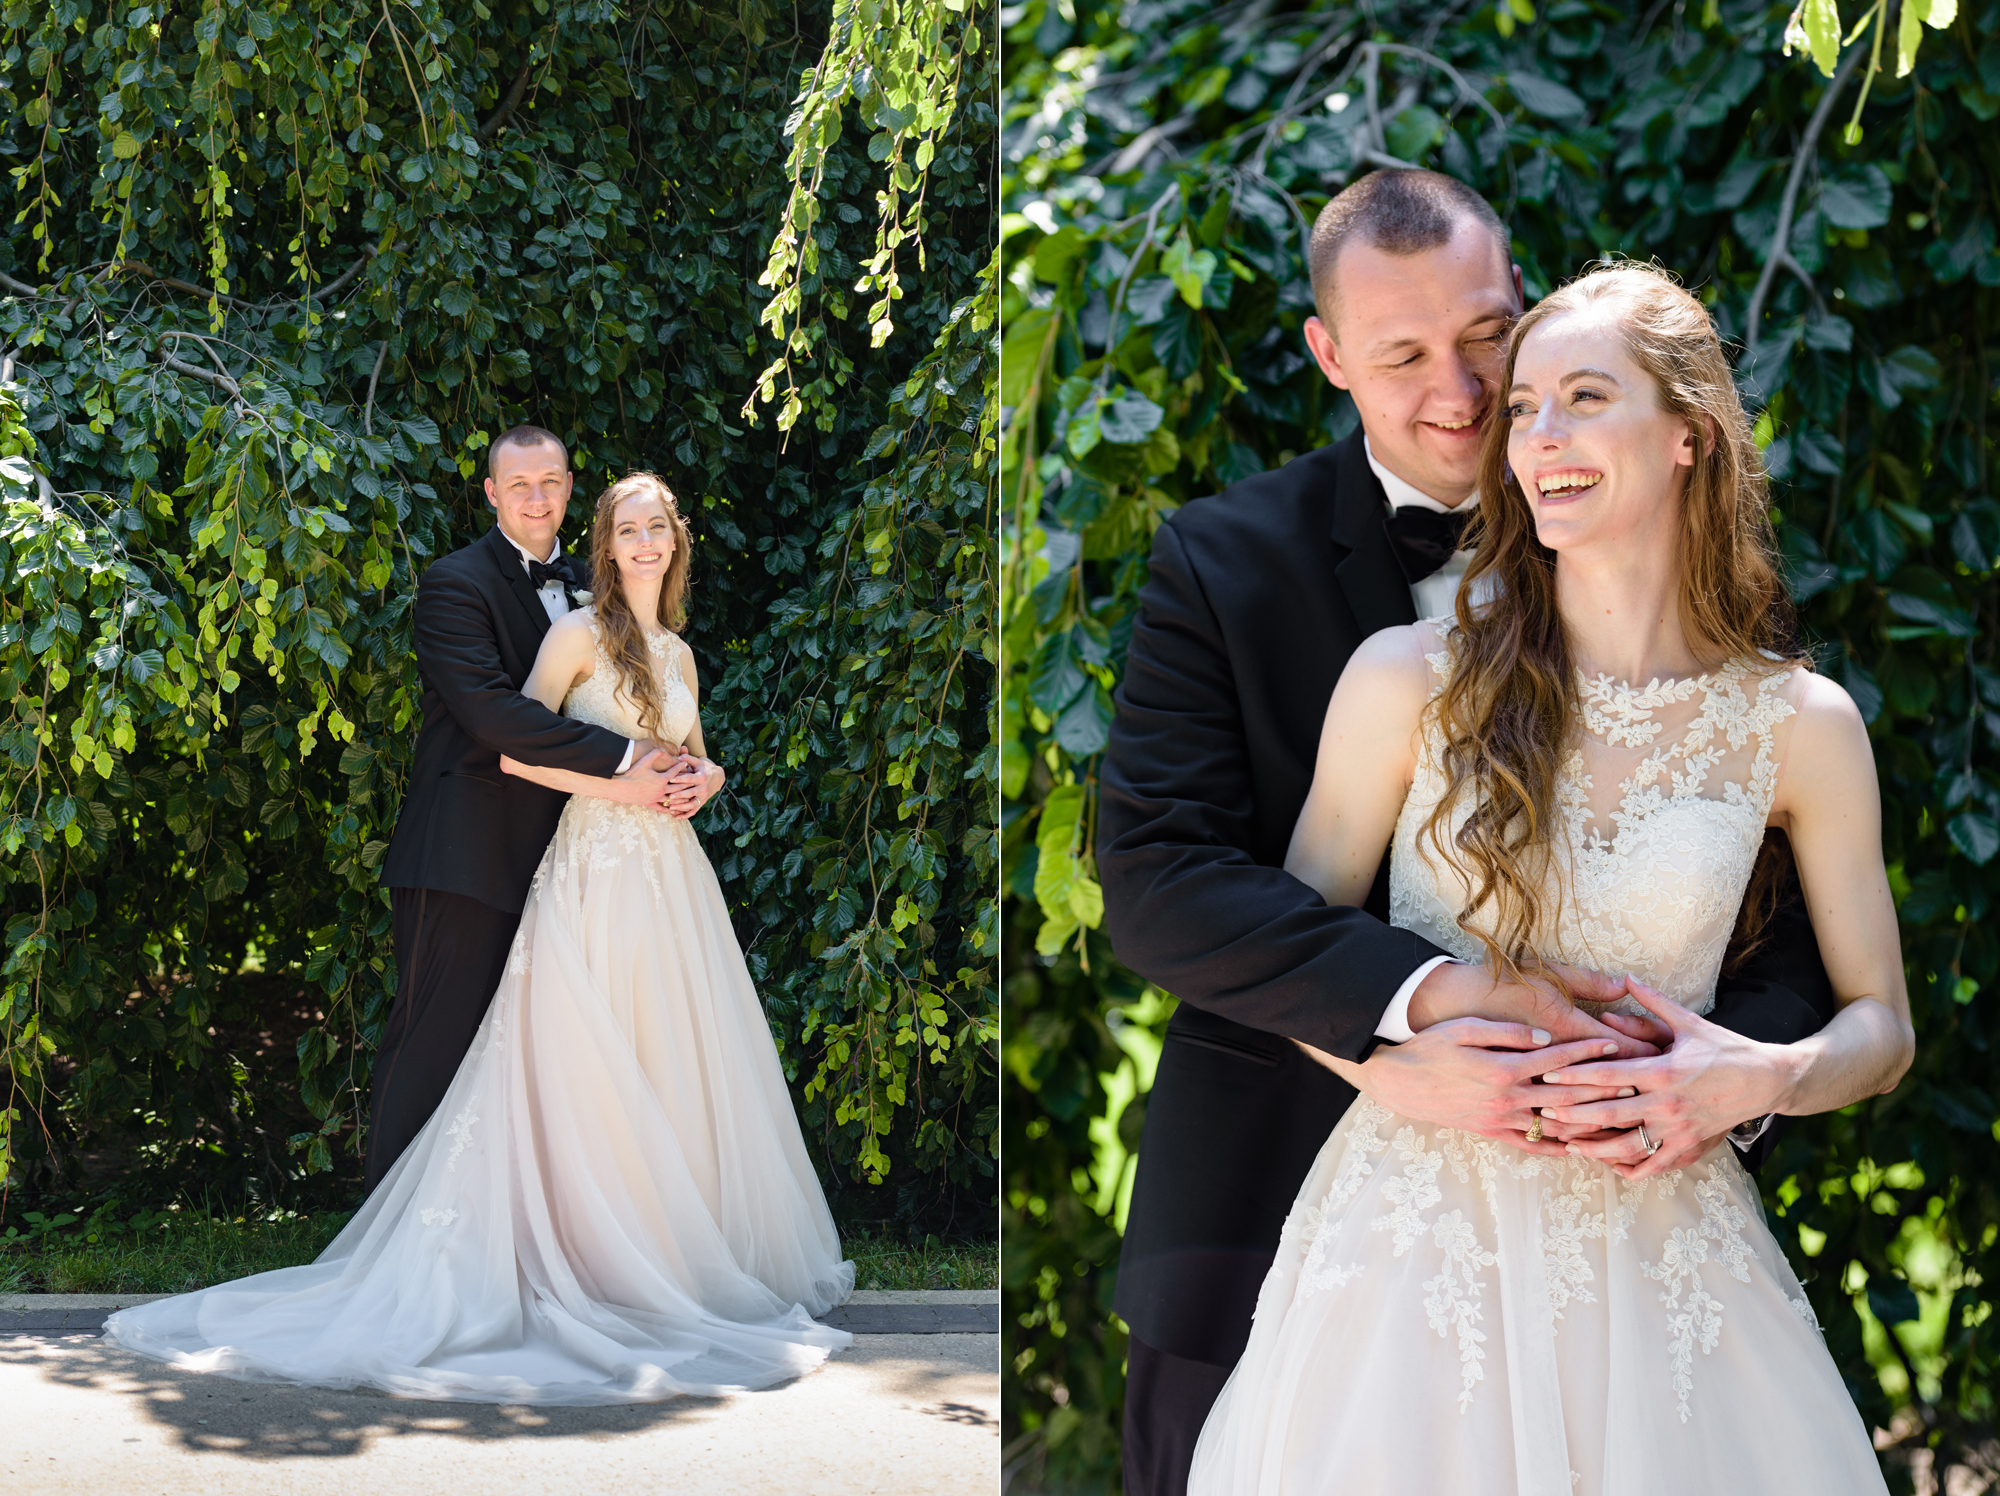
[1325, 352]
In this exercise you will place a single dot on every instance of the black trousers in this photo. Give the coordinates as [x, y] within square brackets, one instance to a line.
[1167, 1399]
[450, 954]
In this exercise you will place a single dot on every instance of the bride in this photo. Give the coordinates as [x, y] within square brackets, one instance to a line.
[1446, 1312]
[613, 1203]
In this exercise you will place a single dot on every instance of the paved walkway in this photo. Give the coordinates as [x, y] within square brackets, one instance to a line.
[901, 1413]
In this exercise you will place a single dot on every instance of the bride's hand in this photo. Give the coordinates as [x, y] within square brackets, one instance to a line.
[1707, 1082]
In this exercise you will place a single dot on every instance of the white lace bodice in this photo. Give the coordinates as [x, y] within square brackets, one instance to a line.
[600, 699]
[1663, 804]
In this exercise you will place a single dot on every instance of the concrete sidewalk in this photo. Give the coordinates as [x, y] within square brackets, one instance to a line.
[926, 1311]
[894, 1413]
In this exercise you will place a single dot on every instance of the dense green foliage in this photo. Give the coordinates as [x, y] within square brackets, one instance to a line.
[280, 272]
[1161, 162]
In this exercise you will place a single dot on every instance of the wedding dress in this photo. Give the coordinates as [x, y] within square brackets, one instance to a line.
[613, 1202]
[1448, 1313]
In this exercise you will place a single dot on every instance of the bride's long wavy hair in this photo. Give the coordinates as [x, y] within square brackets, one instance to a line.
[624, 639]
[1512, 709]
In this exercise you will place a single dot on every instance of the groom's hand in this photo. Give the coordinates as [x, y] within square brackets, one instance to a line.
[1476, 1076]
[646, 782]
[1457, 990]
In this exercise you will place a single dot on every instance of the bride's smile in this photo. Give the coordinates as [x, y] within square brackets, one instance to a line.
[1602, 463]
[643, 542]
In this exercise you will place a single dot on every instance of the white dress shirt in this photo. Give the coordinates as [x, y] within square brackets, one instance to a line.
[1435, 596]
[555, 602]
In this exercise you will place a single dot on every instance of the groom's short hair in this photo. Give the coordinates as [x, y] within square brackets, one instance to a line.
[1400, 211]
[524, 436]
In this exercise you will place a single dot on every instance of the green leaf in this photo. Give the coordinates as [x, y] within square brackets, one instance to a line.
[1976, 834]
[1085, 724]
[1411, 135]
[1129, 418]
[1891, 1300]
[1189, 269]
[1057, 678]
[1856, 198]
[1547, 98]
[1816, 25]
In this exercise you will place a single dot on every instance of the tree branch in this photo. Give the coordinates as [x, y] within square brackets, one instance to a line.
[193, 371]
[516, 91]
[368, 410]
[1781, 237]
[346, 278]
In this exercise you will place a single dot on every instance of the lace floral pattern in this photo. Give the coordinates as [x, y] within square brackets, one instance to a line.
[1696, 1319]
[460, 1133]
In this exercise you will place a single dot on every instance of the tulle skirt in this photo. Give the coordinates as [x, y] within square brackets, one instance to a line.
[1447, 1313]
[612, 1204]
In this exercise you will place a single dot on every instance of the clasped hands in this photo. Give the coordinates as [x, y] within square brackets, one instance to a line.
[669, 779]
[1488, 1055]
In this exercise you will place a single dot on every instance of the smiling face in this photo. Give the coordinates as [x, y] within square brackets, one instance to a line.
[1419, 345]
[529, 491]
[642, 539]
[1602, 462]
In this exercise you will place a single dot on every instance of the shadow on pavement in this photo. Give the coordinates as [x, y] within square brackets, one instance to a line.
[260, 1420]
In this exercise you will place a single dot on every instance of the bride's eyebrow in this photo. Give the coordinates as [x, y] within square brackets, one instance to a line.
[1571, 378]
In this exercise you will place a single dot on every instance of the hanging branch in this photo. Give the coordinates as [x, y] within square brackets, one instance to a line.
[1781, 237]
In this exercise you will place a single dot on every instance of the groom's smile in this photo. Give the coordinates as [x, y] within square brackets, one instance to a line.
[529, 488]
[1417, 339]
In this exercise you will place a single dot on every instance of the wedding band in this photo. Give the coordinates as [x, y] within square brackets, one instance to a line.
[1535, 1129]
[1647, 1143]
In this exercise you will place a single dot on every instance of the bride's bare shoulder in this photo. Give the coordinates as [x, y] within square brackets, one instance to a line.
[1400, 655]
[1391, 675]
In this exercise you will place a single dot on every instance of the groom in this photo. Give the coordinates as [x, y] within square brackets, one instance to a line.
[1257, 598]
[469, 838]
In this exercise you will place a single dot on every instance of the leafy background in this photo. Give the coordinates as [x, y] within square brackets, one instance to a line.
[276, 274]
[1161, 160]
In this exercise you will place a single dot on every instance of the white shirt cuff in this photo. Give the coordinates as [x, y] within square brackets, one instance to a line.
[1745, 1134]
[1395, 1024]
[626, 762]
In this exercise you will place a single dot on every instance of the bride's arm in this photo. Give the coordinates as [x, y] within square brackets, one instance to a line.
[1367, 755]
[1830, 804]
[697, 778]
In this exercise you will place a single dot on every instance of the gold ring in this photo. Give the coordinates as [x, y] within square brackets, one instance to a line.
[1535, 1129]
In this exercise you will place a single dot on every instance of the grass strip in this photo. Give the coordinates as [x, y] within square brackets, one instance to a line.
[178, 1250]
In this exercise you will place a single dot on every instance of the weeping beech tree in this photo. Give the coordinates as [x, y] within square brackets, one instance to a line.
[276, 275]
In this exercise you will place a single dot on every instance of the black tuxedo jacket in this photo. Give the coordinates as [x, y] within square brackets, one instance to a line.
[1257, 598]
[465, 827]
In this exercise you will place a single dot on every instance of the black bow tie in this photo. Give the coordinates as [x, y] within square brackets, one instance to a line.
[1424, 539]
[541, 573]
